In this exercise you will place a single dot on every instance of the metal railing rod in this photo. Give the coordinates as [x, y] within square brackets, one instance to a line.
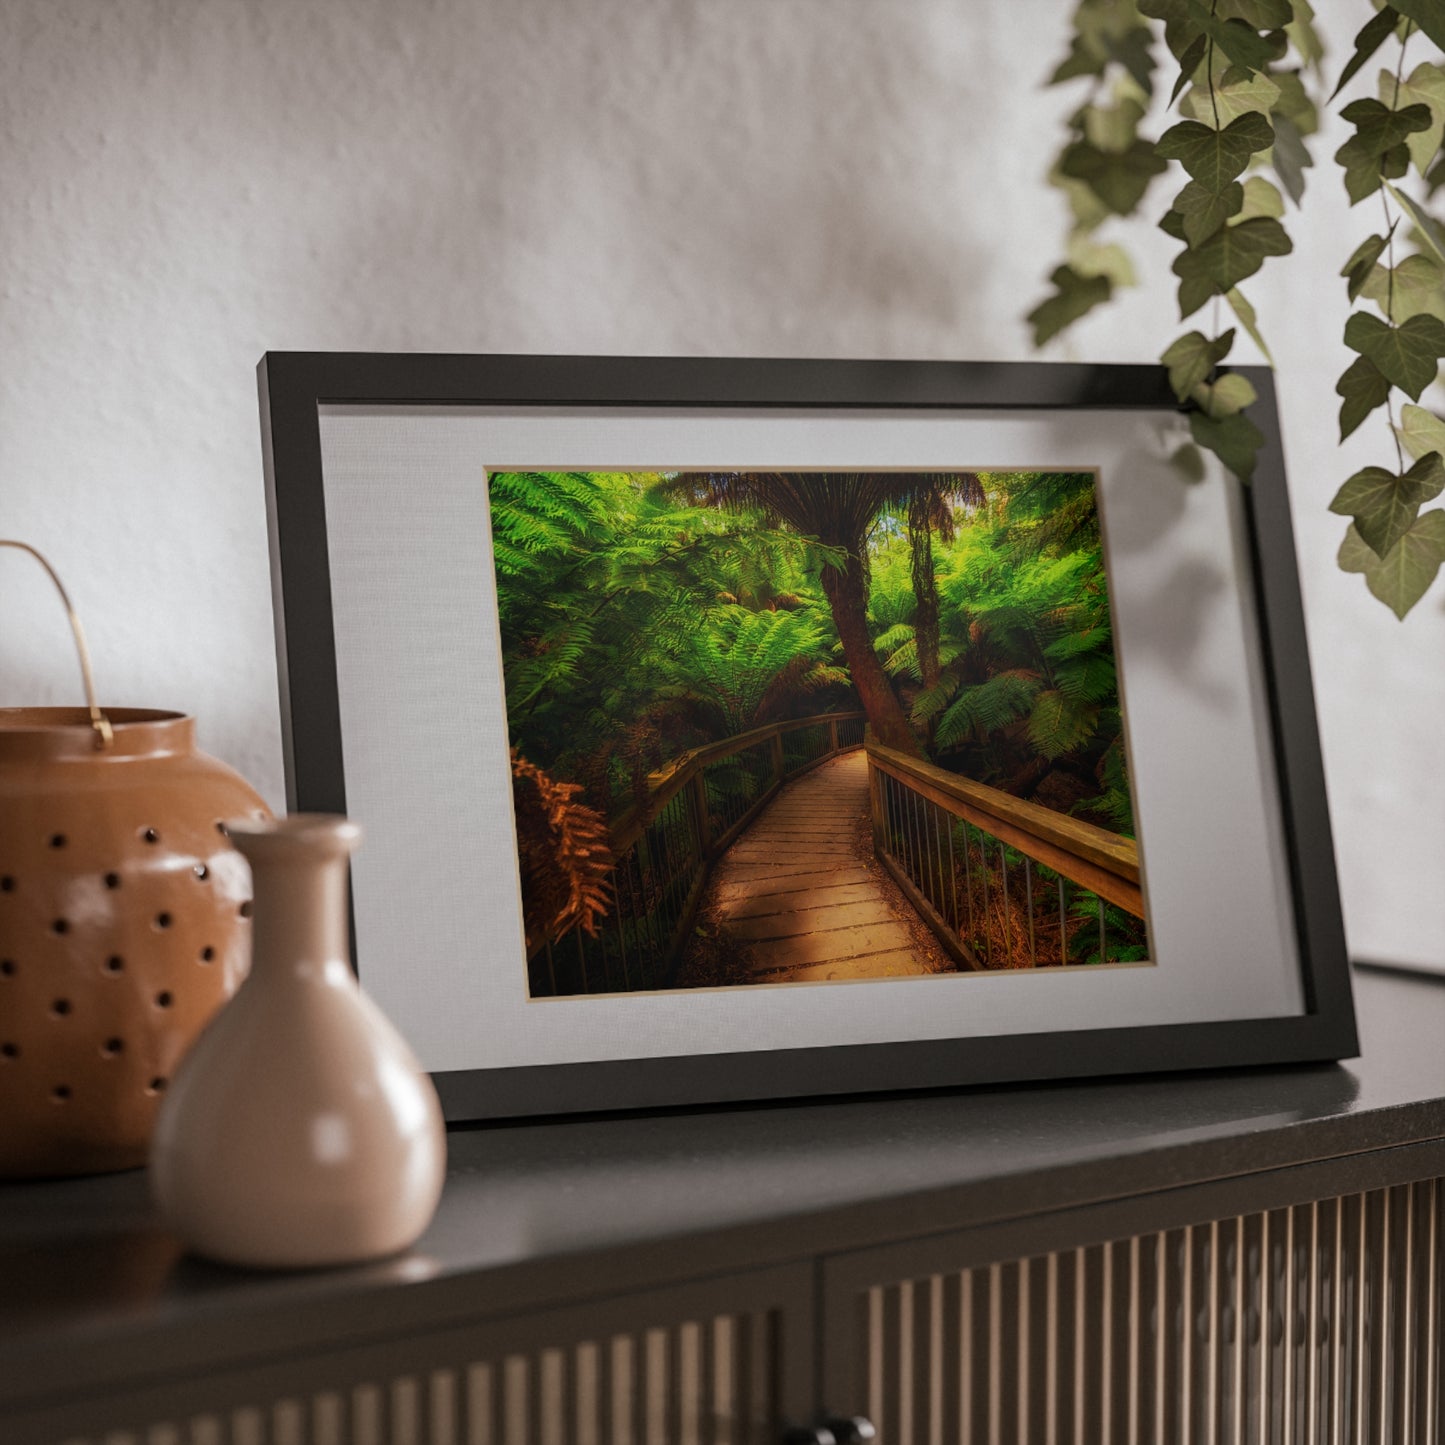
[1008, 943]
[952, 880]
[1029, 906]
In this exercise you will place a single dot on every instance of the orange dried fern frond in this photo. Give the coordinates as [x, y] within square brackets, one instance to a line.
[565, 852]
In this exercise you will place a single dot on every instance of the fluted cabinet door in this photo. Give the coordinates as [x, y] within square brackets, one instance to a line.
[1313, 1322]
[727, 1361]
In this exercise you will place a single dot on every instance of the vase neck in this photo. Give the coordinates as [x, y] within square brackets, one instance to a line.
[299, 871]
[300, 911]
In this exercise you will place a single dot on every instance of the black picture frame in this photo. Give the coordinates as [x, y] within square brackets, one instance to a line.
[295, 385]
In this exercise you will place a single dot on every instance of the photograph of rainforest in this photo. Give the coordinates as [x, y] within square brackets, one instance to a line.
[778, 728]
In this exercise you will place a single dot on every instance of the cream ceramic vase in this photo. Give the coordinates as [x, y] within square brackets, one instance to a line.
[300, 1129]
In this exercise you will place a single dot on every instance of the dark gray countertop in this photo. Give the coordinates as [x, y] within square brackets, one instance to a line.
[91, 1286]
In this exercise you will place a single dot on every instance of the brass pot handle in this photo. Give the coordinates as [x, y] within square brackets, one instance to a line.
[104, 737]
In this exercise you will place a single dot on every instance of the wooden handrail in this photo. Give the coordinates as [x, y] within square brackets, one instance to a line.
[666, 783]
[1110, 851]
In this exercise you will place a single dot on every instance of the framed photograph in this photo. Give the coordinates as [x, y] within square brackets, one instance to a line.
[729, 730]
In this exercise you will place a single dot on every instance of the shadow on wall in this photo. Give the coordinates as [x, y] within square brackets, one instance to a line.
[694, 180]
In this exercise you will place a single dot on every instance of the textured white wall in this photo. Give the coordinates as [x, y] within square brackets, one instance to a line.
[185, 184]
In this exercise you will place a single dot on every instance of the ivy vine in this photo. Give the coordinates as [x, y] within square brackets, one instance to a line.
[1243, 74]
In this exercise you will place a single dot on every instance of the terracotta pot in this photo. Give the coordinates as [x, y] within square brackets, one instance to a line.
[300, 1130]
[123, 927]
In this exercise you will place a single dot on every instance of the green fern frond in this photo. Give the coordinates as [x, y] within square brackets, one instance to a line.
[988, 706]
[1087, 679]
[1057, 725]
[932, 700]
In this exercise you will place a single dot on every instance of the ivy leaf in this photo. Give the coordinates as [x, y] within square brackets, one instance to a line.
[1418, 289]
[1242, 309]
[1235, 440]
[1225, 259]
[1371, 37]
[1075, 296]
[1384, 506]
[1088, 211]
[1226, 396]
[1429, 15]
[1081, 60]
[1204, 212]
[1362, 262]
[1355, 554]
[1305, 38]
[1182, 29]
[1420, 431]
[1378, 128]
[1294, 101]
[1216, 157]
[1290, 157]
[1260, 199]
[1192, 357]
[1426, 86]
[1134, 51]
[1238, 92]
[1118, 178]
[1090, 258]
[1189, 62]
[1239, 40]
[1407, 355]
[1363, 388]
[1403, 576]
[1104, 30]
[1113, 128]
[1425, 223]
[1172, 224]
[1377, 149]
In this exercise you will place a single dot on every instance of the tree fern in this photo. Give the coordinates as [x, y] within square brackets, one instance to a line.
[1058, 725]
[988, 706]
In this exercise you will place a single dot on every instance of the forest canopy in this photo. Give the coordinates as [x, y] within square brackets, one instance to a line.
[644, 613]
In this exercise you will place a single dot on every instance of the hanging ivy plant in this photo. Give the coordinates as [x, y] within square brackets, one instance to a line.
[1240, 89]
[1106, 166]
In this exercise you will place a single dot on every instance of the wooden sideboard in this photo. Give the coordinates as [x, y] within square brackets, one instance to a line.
[1252, 1255]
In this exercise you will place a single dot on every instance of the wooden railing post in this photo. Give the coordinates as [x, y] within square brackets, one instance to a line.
[778, 756]
[832, 735]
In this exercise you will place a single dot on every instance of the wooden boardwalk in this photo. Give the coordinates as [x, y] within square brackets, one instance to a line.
[794, 890]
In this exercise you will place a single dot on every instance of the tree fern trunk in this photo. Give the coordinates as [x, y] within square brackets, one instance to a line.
[847, 593]
[925, 586]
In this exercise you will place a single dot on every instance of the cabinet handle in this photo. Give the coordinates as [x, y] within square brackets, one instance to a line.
[851, 1430]
[836, 1430]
